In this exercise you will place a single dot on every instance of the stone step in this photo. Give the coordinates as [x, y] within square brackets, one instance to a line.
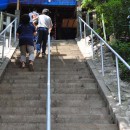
[44, 85]
[57, 126]
[104, 119]
[54, 69]
[41, 72]
[81, 103]
[87, 110]
[24, 91]
[54, 111]
[21, 81]
[72, 90]
[41, 77]
[41, 118]
[44, 68]
[22, 111]
[55, 57]
[22, 96]
[36, 118]
[39, 97]
[81, 126]
[55, 103]
[54, 63]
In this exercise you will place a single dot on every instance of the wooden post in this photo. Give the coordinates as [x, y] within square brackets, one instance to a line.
[17, 11]
[79, 14]
[1, 21]
[88, 31]
[104, 31]
[94, 20]
[18, 4]
[8, 21]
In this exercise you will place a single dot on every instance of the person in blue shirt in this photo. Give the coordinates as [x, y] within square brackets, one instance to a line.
[25, 33]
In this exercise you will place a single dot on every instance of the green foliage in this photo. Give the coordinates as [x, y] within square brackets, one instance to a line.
[125, 73]
[123, 49]
[115, 14]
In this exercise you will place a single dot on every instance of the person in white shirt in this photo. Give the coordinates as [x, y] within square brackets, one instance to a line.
[43, 28]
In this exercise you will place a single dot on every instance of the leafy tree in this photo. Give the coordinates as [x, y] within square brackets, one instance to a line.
[115, 14]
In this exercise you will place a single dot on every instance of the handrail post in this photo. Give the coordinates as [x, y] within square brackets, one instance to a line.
[80, 26]
[48, 90]
[1, 21]
[92, 44]
[102, 59]
[118, 80]
[85, 33]
[15, 29]
[3, 47]
[10, 38]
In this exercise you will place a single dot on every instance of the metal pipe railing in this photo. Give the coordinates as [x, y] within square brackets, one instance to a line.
[48, 125]
[118, 57]
[4, 35]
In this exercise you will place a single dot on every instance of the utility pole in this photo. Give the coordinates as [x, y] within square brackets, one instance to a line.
[18, 3]
[17, 11]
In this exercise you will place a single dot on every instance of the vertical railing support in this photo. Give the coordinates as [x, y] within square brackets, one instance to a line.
[80, 27]
[85, 33]
[10, 38]
[102, 58]
[1, 21]
[118, 80]
[15, 29]
[92, 44]
[3, 47]
[48, 90]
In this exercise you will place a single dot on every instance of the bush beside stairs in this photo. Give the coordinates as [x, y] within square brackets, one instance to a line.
[75, 101]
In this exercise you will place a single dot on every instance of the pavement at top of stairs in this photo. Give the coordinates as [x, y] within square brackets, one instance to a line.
[121, 113]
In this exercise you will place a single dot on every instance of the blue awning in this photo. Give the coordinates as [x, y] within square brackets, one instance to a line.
[3, 4]
[45, 2]
[61, 2]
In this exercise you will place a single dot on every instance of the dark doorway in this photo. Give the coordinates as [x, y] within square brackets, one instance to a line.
[63, 18]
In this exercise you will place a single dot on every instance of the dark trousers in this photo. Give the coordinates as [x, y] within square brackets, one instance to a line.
[42, 39]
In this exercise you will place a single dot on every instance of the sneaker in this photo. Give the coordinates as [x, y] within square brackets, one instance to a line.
[23, 65]
[37, 54]
[31, 68]
[43, 54]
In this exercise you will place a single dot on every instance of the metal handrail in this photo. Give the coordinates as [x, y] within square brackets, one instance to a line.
[7, 34]
[102, 58]
[48, 111]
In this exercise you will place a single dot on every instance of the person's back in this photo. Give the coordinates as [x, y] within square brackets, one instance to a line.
[44, 21]
[44, 27]
[25, 33]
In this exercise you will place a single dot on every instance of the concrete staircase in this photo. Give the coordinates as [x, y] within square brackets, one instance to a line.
[76, 103]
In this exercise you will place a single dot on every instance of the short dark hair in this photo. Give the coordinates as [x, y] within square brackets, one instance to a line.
[25, 19]
[46, 11]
